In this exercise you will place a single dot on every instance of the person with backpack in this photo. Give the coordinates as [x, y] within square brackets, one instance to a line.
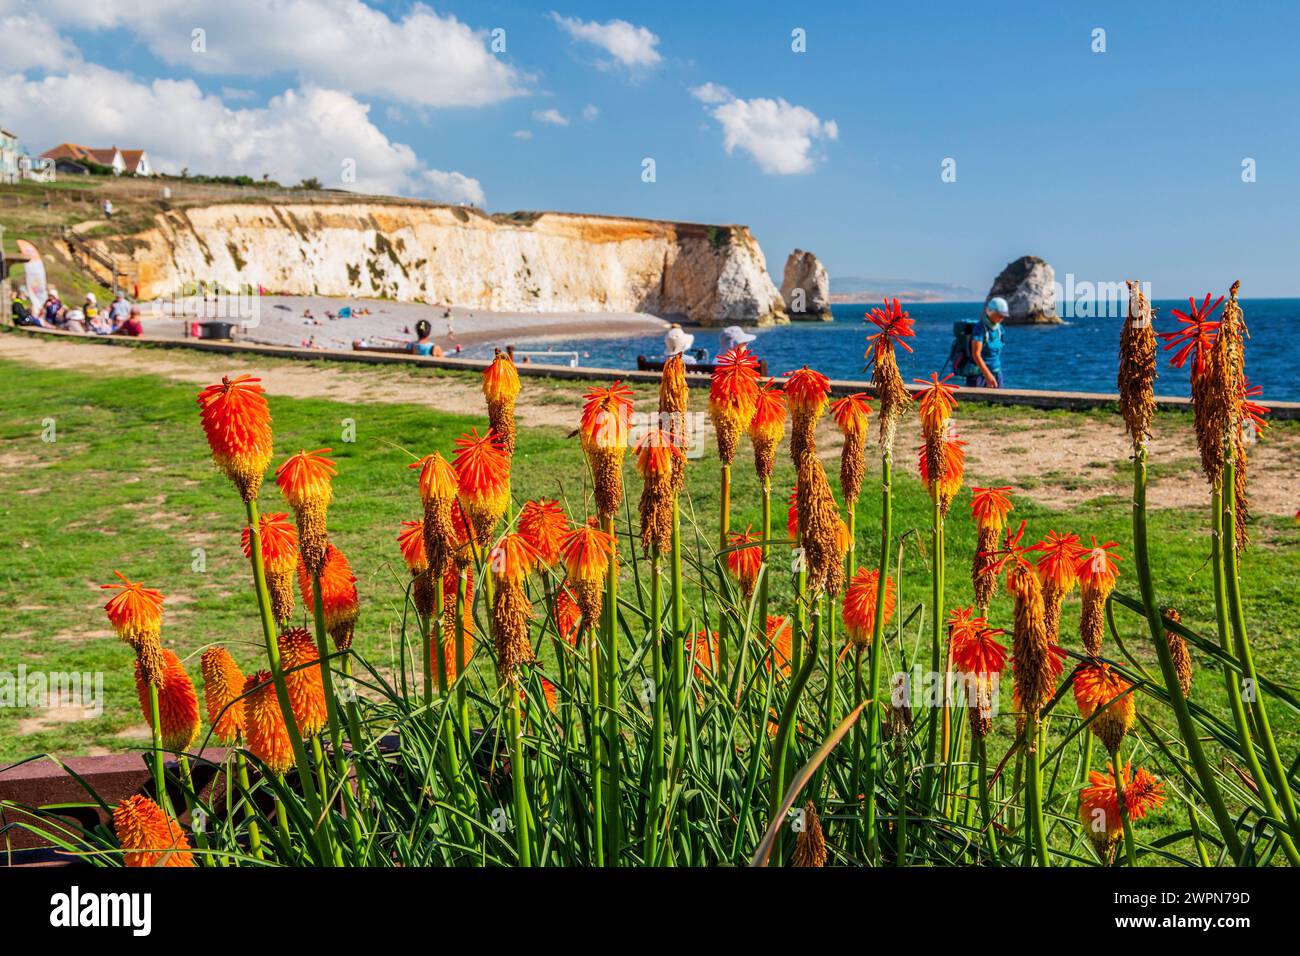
[976, 352]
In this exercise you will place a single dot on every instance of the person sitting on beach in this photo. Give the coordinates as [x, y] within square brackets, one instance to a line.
[677, 341]
[21, 310]
[132, 324]
[986, 346]
[732, 337]
[118, 311]
[424, 344]
[52, 312]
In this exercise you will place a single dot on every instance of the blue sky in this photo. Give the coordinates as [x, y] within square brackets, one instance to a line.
[1109, 165]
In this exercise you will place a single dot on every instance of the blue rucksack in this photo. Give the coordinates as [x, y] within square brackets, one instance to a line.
[960, 360]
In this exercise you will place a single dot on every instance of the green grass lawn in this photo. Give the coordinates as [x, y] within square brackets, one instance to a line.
[128, 484]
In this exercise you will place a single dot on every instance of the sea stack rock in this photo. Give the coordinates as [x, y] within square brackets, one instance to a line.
[806, 288]
[1028, 285]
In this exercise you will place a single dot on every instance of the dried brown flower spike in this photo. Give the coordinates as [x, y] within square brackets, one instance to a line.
[1137, 365]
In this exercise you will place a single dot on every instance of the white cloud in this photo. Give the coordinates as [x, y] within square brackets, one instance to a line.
[778, 135]
[630, 45]
[590, 112]
[29, 41]
[712, 93]
[423, 58]
[301, 133]
[452, 187]
[551, 117]
[522, 134]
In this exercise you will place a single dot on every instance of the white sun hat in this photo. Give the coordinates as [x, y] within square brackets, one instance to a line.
[732, 336]
[676, 341]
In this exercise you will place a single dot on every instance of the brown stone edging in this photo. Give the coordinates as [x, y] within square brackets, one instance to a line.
[1032, 398]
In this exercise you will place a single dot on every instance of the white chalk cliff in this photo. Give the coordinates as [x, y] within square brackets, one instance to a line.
[522, 262]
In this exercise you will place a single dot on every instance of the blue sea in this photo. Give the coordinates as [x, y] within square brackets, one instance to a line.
[1079, 356]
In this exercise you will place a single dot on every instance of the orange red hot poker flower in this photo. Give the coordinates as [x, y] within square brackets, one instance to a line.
[135, 612]
[733, 395]
[338, 592]
[745, 563]
[604, 428]
[1098, 570]
[501, 388]
[1058, 572]
[302, 678]
[544, 524]
[989, 507]
[806, 392]
[860, 605]
[178, 704]
[305, 480]
[237, 422]
[483, 478]
[1099, 805]
[148, 836]
[279, 541]
[438, 489]
[1106, 698]
[264, 728]
[894, 325]
[513, 559]
[587, 552]
[948, 484]
[658, 458]
[223, 682]
[851, 414]
[767, 428]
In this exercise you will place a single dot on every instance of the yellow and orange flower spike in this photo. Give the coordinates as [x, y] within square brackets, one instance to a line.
[701, 652]
[767, 428]
[851, 414]
[587, 552]
[178, 704]
[733, 395]
[302, 677]
[989, 507]
[338, 596]
[1037, 663]
[806, 393]
[1057, 569]
[567, 616]
[544, 524]
[223, 682]
[1099, 690]
[860, 605]
[674, 399]
[658, 459]
[513, 559]
[438, 490]
[605, 427]
[483, 478]
[1098, 569]
[1099, 805]
[411, 542]
[823, 543]
[892, 396]
[779, 636]
[237, 422]
[305, 480]
[976, 653]
[135, 612]
[745, 563]
[148, 836]
[501, 388]
[264, 728]
[953, 457]
[279, 539]
[937, 402]
[450, 580]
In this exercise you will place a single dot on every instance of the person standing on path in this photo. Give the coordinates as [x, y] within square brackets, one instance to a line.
[986, 345]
